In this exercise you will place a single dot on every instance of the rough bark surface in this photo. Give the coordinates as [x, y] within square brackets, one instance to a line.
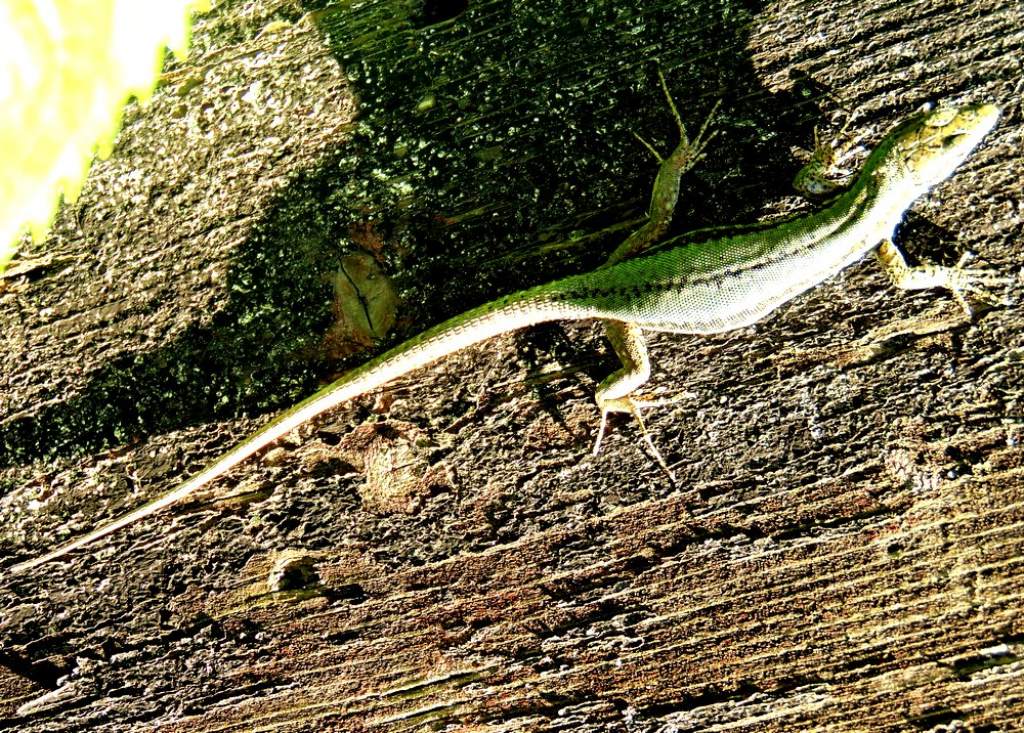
[842, 549]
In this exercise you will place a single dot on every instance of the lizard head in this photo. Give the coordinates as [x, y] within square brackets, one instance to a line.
[932, 143]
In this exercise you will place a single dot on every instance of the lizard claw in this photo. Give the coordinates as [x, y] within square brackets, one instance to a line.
[958, 279]
[961, 280]
[687, 153]
[633, 407]
[825, 173]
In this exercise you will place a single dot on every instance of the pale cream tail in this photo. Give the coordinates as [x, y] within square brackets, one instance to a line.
[501, 316]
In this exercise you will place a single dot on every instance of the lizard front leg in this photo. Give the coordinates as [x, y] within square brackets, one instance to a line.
[824, 174]
[959, 280]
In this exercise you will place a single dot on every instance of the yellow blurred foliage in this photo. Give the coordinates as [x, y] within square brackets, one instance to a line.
[66, 70]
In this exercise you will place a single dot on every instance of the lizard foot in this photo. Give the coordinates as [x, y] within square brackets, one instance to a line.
[633, 406]
[960, 280]
[825, 173]
[687, 153]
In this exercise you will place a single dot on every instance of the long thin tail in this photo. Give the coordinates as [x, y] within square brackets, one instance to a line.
[491, 319]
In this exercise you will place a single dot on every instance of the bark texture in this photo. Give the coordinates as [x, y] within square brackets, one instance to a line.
[842, 549]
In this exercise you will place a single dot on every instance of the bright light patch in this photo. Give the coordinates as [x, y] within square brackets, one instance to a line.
[66, 68]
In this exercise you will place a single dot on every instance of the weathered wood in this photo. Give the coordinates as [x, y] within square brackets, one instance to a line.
[842, 550]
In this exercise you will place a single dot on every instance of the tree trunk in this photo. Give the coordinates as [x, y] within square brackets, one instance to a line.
[840, 548]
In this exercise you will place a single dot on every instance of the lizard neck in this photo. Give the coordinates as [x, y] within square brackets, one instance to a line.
[874, 206]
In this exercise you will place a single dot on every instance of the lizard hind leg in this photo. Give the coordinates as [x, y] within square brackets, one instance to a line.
[615, 393]
[665, 191]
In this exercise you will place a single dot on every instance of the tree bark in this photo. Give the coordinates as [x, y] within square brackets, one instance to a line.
[841, 546]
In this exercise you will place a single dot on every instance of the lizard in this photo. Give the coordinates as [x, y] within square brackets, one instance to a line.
[704, 287]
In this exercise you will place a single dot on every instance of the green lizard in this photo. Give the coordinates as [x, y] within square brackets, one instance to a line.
[697, 288]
